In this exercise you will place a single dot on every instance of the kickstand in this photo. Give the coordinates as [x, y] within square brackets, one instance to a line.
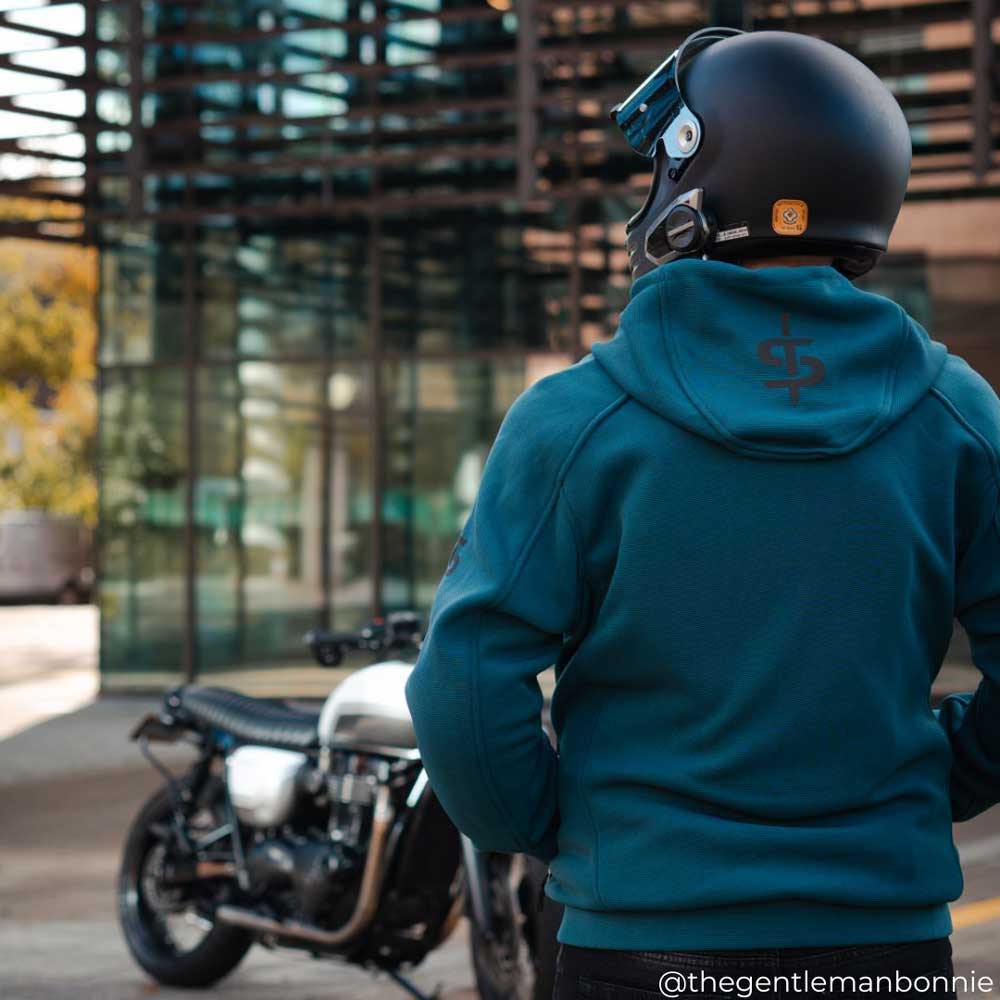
[404, 984]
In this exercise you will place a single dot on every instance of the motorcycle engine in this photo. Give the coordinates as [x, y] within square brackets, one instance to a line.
[310, 828]
[310, 876]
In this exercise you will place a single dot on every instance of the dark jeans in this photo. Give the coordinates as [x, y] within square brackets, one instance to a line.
[764, 974]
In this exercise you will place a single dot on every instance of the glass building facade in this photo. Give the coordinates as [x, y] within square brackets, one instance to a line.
[339, 237]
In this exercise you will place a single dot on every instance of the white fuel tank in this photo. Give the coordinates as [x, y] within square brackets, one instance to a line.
[369, 709]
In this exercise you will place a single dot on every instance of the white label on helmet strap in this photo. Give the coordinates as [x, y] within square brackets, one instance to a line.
[732, 233]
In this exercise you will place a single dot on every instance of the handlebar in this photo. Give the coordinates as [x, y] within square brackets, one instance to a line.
[397, 630]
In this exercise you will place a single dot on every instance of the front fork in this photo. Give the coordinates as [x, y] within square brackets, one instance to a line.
[478, 884]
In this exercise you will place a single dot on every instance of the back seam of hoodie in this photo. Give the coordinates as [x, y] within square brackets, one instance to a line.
[581, 569]
[550, 504]
[885, 402]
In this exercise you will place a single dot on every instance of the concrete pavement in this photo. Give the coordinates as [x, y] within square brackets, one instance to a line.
[61, 837]
[70, 783]
[61, 841]
[49, 663]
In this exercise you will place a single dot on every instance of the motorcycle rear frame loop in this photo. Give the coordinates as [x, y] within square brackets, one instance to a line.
[183, 789]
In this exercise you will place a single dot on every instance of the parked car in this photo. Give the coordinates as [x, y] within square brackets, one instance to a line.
[44, 557]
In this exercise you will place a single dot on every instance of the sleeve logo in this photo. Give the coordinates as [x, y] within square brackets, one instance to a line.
[454, 560]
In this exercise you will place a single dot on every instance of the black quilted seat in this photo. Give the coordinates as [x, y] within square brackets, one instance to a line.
[248, 719]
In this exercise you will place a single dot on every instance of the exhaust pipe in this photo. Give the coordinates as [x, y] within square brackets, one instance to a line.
[364, 909]
[214, 869]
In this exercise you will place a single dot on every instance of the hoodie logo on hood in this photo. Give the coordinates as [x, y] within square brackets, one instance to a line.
[790, 361]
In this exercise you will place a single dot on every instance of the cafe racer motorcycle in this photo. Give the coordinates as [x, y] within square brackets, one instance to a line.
[319, 831]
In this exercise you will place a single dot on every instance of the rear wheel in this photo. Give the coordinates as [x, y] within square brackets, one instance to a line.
[517, 960]
[169, 927]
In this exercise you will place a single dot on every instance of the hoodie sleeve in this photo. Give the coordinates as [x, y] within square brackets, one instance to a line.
[972, 720]
[510, 595]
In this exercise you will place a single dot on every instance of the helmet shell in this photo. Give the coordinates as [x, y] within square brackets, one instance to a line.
[804, 151]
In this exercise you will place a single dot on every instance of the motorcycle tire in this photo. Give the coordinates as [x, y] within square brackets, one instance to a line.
[215, 956]
[518, 965]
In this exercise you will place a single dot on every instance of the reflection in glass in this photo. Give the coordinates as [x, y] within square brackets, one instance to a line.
[605, 282]
[349, 500]
[143, 467]
[282, 294]
[278, 472]
[142, 299]
[475, 279]
[441, 419]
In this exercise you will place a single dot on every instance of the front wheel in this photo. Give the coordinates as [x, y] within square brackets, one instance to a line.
[517, 960]
[169, 926]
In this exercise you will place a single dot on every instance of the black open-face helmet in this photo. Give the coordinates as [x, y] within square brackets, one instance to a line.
[765, 144]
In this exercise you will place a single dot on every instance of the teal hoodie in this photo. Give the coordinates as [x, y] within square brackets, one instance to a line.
[740, 530]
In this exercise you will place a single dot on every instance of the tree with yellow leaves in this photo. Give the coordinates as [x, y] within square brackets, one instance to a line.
[48, 404]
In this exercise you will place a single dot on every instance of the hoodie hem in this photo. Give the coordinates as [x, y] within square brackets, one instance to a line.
[779, 924]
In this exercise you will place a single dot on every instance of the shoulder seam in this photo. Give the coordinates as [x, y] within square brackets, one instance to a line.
[550, 504]
[991, 456]
[977, 435]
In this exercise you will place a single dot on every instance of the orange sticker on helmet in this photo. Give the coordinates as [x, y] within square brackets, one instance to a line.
[789, 217]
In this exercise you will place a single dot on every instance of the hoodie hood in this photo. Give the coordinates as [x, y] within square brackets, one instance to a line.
[777, 362]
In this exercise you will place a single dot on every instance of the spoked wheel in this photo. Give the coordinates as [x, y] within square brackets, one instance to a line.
[169, 925]
[517, 960]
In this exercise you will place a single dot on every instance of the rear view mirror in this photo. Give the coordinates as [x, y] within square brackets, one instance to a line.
[327, 649]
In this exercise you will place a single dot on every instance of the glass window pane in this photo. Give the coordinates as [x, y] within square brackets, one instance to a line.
[281, 293]
[441, 418]
[256, 510]
[470, 280]
[278, 471]
[142, 294]
[143, 467]
[605, 282]
[352, 460]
